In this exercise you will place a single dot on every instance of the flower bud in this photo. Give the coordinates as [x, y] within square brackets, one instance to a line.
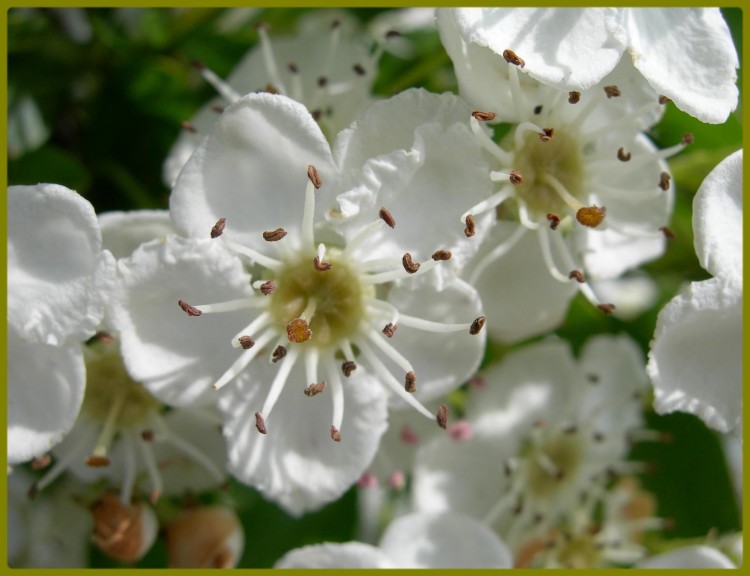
[206, 537]
[123, 532]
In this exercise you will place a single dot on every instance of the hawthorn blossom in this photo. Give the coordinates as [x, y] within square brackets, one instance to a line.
[695, 362]
[686, 54]
[546, 432]
[329, 302]
[697, 556]
[417, 540]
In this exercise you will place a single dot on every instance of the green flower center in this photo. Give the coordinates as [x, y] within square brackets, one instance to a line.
[550, 463]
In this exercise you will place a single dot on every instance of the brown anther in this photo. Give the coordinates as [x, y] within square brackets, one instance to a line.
[278, 354]
[668, 234]
[513, 58]
[481, 116]
[316, 114]
[292, 67]
[104, 337]
[348, 367]
[315, 389]
[335, 434]
[335, 23]
[262, 26]
[663, 99]
[314, 176]
[612, 91]
[387, 217]
[577, 275]
[477, 325]
[554, 220]
[592, 378]
[547, 134]
[687, 138]
[298, 330]
[359, 69]
[574, 97]
[622, 155]
[147, 435]
[410, 382]
[591, 216]
[274, 235]
[189, 127]
[188, 309]
[260, 424]
[598, 437]
[409, 265]
[321, 266]
[41, 462]
[198, 65]
[515, 177]
[441, 255]
[572, 429]
[271, 89]
[97, 461]
[442, 416]
[246, 342]
[33, 491]
[218, 228]
[664, 179]
[322, 81]
[218, 109]
[392, 34]
[538, 109]
[268, 288]
[469, 231]
[606, 308]
[507, 468]
[390, 329]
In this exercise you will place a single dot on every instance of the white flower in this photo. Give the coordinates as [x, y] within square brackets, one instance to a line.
[695, 361]
[686, 54]
[326, 297]
[546, 431]
[418, 540]
[698, 556]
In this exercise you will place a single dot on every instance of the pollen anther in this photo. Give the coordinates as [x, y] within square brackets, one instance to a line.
[441, 255]
[387, 217]
[591, 216]
[218, 228]
[409, 265]
[390, 329]
[348, 367]
[188, 309]
[321, 266]
[315, 389]
[481, 116]
[298, 331]
[513, 58]
[477, 325]
[410, 382]
[246, 342]
[469, 231]
[274, 235]
[314, 176]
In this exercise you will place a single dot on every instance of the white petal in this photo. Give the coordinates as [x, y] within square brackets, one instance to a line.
[330, 555]
[297, 464]
[695, 361]
[717, 219]
[252, 170]
[123, 232]
[445, 540]
[58, 276]
[45, 391]
[178, 357]
[688, 557]
[688, 55]
[633, 294]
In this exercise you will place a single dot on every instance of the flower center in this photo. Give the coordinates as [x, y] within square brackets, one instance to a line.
[550, 462]
[334, 298]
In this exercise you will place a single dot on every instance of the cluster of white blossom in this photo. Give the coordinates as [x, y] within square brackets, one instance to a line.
[330, 275]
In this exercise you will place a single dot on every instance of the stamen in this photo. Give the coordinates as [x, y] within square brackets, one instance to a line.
[278, 353]
[262, 320]
[279, 381]
[547, 134]
[387, 217]
[62, 464]
[315, 389]
[574, 97]
[390, 329]
[268, 288]
[314, 176]
[469, 231]
[525, 127]
[497, 252]
[335, 436]
[442, 416]
[663, 99]
[668, 234]
[409, 265]
[546, 464]
[318, 262]
[147, 435]
[622, 155]
[254, 255]
[152, 471]
[126, 488]
[477, 325]
[562, 191]
[359, 70]
[188, 126]
[612, 91]
[260, 424]
[538, 109]
[606, 308]
[390, 351]
[187, 448]
[481, 116]
[664, 179]
[246, 357]
[554, 221]
[308, 214]
[577, 275]
[337, 392]
[298, 330]
[410, 382]
[441, 255]
[275, 235]
[363, 235]
[486, 142]
[223, 88]
[98, 457]
[228, 306]
[41, 462]
[591, 216]
[513, 58]
[269, 60]
[379, 307]
[218, 228]
[188, 309]
[246, 342]
[348, 367]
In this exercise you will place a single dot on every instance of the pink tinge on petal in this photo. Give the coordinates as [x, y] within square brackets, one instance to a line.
[408, 435]
[461, 431]
[367, 480]
[397, 480]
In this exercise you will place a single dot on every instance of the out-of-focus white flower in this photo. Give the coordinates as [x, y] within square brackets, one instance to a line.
[699, 556]
[331, 285]
[695, 362]
[686, 54]
[418, 540]
[205, 537]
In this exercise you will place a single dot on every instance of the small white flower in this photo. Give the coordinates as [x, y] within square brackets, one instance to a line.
[686, 54]
[695, 361]
[698, 556]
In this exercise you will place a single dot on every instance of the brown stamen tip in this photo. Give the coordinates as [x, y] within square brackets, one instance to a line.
[188, 309]
[538, 109]
[246, 342]
[442, 416]
[97, 461]
[612, 91]
[33, 491]
[315, 389]
[574, 97]
[477, 325]
[198, 65]
[189, 127]
[260, 424]
[515, 177]
[271, 89]
[348, 367]
[321, 266]
[218, 228]
[547, 134]
[687, 138]
[664, 179]
[390, 329]
[218, 109]
[592, 378]
[359, 70]
[335, 23]
[387, 217]
[554, 220]
[591, 216]
[278, 354]
[265, 26]
[316, 114]
[410, 382]
[622, 155]
[441, 255]
[606, 308]
[513, 58]
[41, 462]
[469, 231]
[482, 116]
[409, 265]
[147, 435]
[314, 176]
[298, 330]
[577, 275]
[322, 81]
[663, 99]
[598, 437]
[104, 337]
[292, 67]
[668, 234]
[335, 434]
[274, 235]
[268, 288]
[392, 34]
